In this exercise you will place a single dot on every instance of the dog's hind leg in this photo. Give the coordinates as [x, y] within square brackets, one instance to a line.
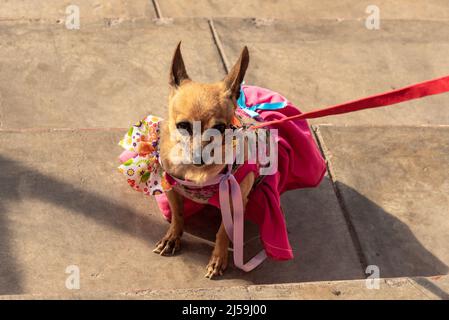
[171, 242]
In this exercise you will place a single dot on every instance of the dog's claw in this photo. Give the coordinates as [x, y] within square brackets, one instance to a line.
[213, 271]
[217, 265]
[168, 247]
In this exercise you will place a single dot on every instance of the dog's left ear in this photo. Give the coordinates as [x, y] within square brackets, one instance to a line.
[235, 77]
[178, 72]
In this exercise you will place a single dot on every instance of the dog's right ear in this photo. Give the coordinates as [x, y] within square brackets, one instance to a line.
[235, 76]
[178, 72]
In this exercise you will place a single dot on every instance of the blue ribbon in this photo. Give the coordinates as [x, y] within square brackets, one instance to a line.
[251, 110]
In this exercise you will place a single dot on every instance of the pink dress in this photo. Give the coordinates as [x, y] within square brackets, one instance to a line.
[300, 165]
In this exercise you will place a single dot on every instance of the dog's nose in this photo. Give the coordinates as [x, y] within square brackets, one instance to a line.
[200, 163]
[198, 159]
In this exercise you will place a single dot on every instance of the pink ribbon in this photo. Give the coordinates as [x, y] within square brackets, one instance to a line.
[233, 225]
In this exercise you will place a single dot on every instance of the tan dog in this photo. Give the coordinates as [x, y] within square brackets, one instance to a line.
[214, 105]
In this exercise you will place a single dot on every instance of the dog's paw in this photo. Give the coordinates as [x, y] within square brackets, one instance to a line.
[217, 264]
[169, 244]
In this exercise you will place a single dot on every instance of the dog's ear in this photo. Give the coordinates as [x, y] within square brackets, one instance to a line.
[178, 72]
[235, 77]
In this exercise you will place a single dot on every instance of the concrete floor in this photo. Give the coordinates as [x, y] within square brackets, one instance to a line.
[67, 96]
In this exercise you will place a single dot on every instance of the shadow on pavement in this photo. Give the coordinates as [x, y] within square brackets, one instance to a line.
[317, 232]
[10, 278]
[19, 183]
[432, 287]
[388, 242]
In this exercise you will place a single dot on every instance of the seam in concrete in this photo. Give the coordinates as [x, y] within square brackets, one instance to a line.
[429, 288]
[313, 126]
[349, 289]
[26, 130]
[351, 228]
[47, 21]
[376, 126]
[417, 287]
[1, 113]
[157, 9]
[107, 22]
[272, 20]
[219, 46]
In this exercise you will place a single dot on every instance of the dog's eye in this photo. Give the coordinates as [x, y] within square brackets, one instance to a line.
[187, 126]
[220, 127]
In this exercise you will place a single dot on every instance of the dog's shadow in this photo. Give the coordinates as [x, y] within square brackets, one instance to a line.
[318, 232]
[325, 246]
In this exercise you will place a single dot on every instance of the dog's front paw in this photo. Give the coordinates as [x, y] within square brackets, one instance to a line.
[217, 263]
[169, 244]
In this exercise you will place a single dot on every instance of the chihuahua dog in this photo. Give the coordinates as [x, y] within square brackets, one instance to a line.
[213, 105]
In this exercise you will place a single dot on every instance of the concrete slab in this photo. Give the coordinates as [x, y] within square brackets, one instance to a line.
[395, 187]
[98, 76]
[63, 203]
[319, 63]
[389, 289]
[306, 9]
[54, 11]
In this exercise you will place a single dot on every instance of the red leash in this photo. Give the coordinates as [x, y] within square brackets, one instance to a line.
[414, 91]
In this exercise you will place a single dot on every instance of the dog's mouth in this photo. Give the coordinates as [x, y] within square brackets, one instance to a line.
[198, 165]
